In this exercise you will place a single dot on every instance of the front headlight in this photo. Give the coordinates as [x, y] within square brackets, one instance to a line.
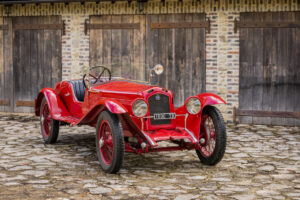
[193, 105]
[140, 108]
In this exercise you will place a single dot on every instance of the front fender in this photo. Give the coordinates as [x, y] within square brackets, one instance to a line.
[56, 106]
[115, 107]
[112, 105]
[192, 122]
[205, 99]
[210, 99]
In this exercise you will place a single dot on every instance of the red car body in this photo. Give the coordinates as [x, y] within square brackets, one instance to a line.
[118, 96]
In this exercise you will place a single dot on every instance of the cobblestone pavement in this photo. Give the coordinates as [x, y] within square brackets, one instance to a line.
[261, 162]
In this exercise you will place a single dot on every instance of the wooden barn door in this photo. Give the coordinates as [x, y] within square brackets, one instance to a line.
[177, 41]
[119, 42]
[139, 42]
[36, 58]
[270, 67]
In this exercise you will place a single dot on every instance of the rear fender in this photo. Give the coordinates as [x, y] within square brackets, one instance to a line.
[56, 106]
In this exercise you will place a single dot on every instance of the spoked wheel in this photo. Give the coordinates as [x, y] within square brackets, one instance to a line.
[106, 144]
[49, 126]
[109, 142]
[212, 137]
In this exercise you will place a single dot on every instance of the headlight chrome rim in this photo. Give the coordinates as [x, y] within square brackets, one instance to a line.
[140, 108]
[193, 105]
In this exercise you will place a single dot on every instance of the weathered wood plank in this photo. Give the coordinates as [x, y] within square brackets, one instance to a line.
[170, 61]
[116, 46]
[34, 56]
[198, 57]
[273, 70]
[280, 49]
[139, 45]
[21, 63]
[152, 46]
[262, 113]
[296, 36]
[48, 54]
[1, 67]
[257, 76]
[162, 52]
[188, 75]
[245, 86]
[8, 64]
[96, 43]
[126, 48]
[268, 63]
[106, 42]
[40, 61]
[56, 60]
[180, 62]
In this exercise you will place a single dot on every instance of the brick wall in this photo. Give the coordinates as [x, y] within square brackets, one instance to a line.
[75, 46]
[222, 44]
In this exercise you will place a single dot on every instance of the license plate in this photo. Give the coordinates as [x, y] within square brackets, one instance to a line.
[158, 116]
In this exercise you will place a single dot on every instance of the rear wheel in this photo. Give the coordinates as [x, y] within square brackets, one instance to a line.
[212, 136]
[109, 142]
[49, 126]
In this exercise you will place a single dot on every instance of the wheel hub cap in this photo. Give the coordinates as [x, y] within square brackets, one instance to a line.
[101, 142]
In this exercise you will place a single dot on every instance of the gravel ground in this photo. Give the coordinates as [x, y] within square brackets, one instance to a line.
[261, 162]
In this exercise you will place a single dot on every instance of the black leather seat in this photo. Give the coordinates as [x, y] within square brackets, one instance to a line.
[78, 89]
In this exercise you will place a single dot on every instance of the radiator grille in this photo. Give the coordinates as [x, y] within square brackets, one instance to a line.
[159, 103]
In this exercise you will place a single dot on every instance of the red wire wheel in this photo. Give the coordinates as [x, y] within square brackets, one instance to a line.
[109, 142]
[106, 144]
[212, 140]
[49, 126]
[46, 120]
[209, 134]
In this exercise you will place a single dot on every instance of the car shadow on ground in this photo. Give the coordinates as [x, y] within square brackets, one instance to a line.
[85, 142]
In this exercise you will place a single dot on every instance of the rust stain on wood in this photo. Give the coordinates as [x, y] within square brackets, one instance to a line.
[25, 103]
[4, 102]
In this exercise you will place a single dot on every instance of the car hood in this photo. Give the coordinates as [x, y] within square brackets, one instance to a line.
[124, 86]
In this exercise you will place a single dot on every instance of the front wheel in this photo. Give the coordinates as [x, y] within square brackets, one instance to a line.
[109, 142]
[212, 136]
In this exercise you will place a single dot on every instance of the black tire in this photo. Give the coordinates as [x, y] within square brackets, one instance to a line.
[118, 142]
[220, 132]
[54, 129]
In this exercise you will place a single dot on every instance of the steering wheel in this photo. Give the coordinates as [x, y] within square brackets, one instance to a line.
[99, 76]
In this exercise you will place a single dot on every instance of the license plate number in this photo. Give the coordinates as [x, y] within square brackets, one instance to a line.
[158, 116]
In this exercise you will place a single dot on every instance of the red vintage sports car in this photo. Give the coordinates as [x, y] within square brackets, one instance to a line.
[132, 116]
